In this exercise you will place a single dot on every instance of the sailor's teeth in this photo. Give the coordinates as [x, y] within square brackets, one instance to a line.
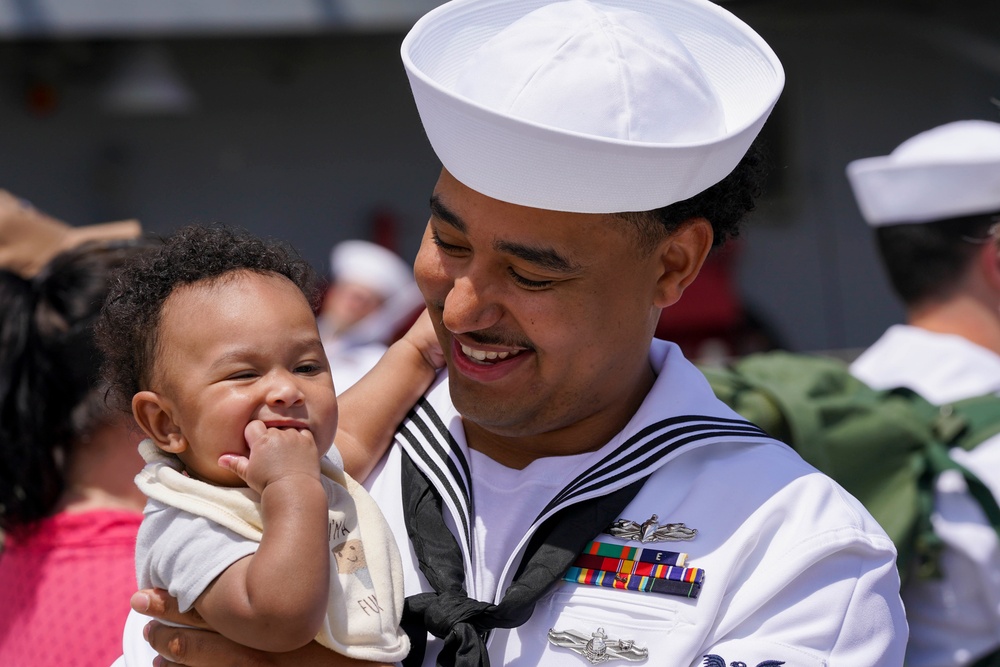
[482, 355]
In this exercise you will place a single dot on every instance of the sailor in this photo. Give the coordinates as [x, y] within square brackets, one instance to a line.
[593, 153]
[933, 204]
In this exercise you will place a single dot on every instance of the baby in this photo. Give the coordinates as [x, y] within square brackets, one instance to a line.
[210, 340]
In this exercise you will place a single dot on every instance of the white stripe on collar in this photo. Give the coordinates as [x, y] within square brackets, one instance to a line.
[656, 434]
[444, 461]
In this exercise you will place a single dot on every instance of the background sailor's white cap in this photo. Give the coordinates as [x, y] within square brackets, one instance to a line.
[950, 171]
[371, 265]
[592, 107]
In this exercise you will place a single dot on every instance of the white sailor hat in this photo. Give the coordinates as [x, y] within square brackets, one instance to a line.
[950, 171]
[592, 107]
[370, 265]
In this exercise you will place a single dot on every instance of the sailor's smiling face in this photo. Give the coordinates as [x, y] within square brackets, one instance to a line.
[545, 317]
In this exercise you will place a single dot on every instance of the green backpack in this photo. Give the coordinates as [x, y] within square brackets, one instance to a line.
[886, 448]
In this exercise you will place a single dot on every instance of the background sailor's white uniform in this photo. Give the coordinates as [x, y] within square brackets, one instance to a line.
[955, 620]
[796, 570]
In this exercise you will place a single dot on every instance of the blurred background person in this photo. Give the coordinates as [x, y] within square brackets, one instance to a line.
[29, 238]
[934, 203]
[69, 509]
[371, 299]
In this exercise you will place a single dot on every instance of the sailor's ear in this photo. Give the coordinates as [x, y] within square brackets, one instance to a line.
[154, 414]
[682, 254]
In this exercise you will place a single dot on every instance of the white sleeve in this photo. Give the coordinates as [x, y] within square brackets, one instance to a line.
[136, 652]
[183, 553]
[841, 602]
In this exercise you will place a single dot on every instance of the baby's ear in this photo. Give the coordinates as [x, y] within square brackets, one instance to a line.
[154, 415]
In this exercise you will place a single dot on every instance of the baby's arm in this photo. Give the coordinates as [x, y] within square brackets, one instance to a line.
[276, 599]
[372, 408]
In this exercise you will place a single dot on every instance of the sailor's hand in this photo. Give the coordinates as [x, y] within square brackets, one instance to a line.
[157, 603]
[201, 647]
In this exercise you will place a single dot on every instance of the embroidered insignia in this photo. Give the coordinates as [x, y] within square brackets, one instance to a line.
[650, 531]
[597, 648]
[671, 580]
[713, 660]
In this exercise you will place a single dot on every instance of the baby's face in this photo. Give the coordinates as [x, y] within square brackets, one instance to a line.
[238, 349]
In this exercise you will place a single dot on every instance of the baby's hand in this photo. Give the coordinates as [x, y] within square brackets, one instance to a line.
[421, 335]
[274, 454]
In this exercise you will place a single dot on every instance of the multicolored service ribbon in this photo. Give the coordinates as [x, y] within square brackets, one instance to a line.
[636, 569]
[635, 554]
[683, 581]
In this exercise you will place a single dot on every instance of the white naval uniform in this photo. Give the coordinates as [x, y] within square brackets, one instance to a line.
[956, 620]
[796, 570]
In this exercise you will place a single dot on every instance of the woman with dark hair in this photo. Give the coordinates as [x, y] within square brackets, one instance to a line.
[69, 509]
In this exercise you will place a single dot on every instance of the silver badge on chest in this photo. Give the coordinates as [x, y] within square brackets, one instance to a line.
[598, 648]
[650, 530]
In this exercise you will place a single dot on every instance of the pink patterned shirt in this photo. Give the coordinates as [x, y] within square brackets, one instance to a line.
[65, 587]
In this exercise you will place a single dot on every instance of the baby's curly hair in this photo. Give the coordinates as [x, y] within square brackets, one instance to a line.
[127, 329]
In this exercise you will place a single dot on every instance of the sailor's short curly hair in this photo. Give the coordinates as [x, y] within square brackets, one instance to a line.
[128, 327]
[724, 204]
